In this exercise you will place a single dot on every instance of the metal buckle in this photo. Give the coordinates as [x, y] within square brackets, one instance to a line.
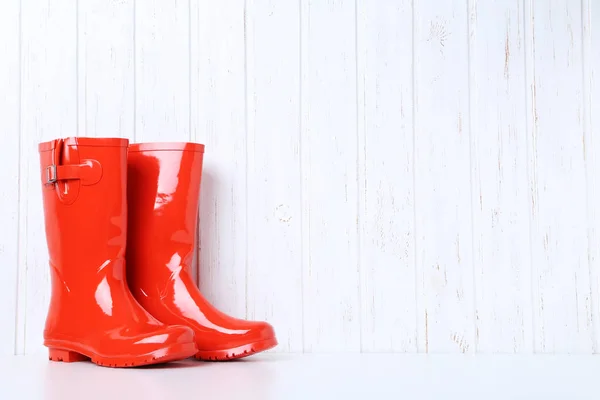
[51, 174]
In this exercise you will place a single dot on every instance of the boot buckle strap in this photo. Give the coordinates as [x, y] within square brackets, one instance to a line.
[89, 172]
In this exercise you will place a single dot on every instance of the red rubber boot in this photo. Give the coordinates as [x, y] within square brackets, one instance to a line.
[92, 314]
[163, 194]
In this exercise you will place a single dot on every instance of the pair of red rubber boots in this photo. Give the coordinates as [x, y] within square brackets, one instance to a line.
[120, 224]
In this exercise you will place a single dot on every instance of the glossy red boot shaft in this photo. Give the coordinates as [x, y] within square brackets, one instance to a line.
[163, 194]
[92, 313]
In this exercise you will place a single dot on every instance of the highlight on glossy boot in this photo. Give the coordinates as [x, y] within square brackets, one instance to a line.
[163, 194]
[92, 314]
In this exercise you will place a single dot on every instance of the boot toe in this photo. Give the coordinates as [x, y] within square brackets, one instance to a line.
[180, 334]
[255, 332]
[252, 337]
[171, 335]
[261, 331]
[174, 342]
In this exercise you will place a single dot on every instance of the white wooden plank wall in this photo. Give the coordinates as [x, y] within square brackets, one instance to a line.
[379, 176]
[444, 238]
[499, 185]
[386, 191]
[10, 87]
[274, 205]
[331, 296]
[559, 246]
[221, 119]
[591, 122]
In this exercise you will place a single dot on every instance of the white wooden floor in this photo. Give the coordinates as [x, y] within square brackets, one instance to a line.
[331, 376]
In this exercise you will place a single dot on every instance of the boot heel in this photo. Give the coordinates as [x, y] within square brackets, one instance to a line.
[65, 355]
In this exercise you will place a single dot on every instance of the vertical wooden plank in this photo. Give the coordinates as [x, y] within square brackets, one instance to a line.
[105, 63]
[274, 179]
[330, 191]
[499, 170]
[591, 125]
[221, 110]
[162, 62]
[387, 259]
[49, 111]
[195, 110]
[162, 71]
[442, 178]
[561, 284]
[10, 86]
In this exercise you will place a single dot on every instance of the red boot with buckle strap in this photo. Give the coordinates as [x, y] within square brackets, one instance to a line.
[92, 313]
[163, 195]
